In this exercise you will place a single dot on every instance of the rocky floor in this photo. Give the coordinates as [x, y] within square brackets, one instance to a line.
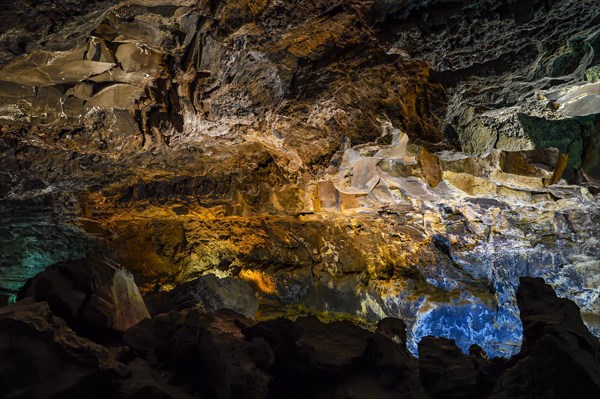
[81, 329]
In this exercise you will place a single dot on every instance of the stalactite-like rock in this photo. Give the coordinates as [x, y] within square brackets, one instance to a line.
[354, 160]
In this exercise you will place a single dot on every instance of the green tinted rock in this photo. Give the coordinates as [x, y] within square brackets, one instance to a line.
[593, 74]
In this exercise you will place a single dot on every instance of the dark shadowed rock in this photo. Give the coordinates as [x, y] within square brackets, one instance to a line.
[40, 357]
[93, 295]
[205, 352]
[338, 360]
[389, 344]
[560, 358]
[193, 353]
[337, 344]
[146, 383]
[446, 372]
[35, 184]
[210, 292]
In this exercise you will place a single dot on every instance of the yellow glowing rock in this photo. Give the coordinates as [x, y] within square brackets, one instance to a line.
[348, 201]
[561, 165]
[470, 184]
[518, 181]
[533, 163]
[432, 168]
[288, 200]
[326, 196]
[260, 281]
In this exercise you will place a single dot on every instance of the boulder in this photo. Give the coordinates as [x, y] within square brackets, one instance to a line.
[446, 372]
[313, 359]
[144, 382]
[205, 352]
[221, 354]
[93, 295]
[559, 358]
[41, 357]
[389, 344]
[335, 344]
[210, 292]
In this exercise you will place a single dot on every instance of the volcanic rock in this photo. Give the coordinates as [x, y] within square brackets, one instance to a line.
[205, 352]
[145, 382]
[559, 353]
[43, 358]
[446, 372]
[192, 353]
[351, 159]
[92, 294]
[211, 293]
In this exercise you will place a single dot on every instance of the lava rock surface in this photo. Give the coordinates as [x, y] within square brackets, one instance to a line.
[356, 160]
[192, 353]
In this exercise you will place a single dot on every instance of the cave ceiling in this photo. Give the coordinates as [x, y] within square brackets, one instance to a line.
[361, 158]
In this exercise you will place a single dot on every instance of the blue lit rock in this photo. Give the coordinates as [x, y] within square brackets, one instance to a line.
[32, 237]
[223, 137]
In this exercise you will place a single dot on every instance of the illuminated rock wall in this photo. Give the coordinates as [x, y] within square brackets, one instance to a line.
[350, 159]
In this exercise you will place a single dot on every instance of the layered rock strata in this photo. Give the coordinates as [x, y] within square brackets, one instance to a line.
[351, 159]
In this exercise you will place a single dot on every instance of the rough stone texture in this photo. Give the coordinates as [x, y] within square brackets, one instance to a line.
[509, 68]
[446, 372]
[554, 336]
[43, 358]
[346, 158]
[92, 294]
[34, 234]
[209, 292]
[192, 353]
[145, 382]
[206, 353]
[446, 260]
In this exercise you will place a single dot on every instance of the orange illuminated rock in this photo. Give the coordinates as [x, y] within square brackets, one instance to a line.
[260, 280]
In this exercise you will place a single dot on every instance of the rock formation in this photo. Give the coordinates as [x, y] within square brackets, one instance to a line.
[43, 358]
[192, 353]
[93, 295]
[347, 160]
[210, 292]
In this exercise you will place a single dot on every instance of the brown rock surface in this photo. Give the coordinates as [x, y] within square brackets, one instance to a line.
[351, 159]
[93, 294]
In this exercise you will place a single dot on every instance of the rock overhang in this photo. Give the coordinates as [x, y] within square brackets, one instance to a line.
[237, 113]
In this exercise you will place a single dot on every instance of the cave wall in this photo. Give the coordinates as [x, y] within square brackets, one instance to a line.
[371, 159]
